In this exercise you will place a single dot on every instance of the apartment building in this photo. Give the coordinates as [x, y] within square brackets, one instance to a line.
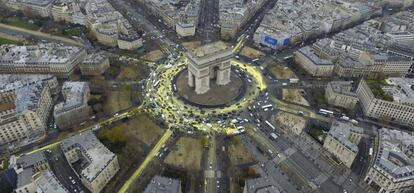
[262, 184]
[342, 141]
[289, 22]
[50, 58]
[373, 65]
[308, 59]
[28, 168]
[393, 101]
[392, 169]
[74, 109]
[94, 64]
[38, 7]
[341, 94]
[163, 184]
[183, 16]
[25, 104]
[99, 164]
[376, 48]
[234, 14]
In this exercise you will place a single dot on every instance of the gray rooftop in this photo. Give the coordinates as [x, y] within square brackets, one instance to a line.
[48, 183]
[74, 93]
[27, 97]
[10, 82]
[401, 89]
[308, 52]
[94, 58]
[42, 3]
[395, 154]
[343, 87]
[24, 177]
[42, 54]
[94, 152]
[30, 160]
[263, 184]
[341, 131]
[161, 184]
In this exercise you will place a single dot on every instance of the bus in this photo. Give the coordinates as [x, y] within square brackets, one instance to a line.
[326, 112]
[267, 106]
[156, 83]
[288, 57]
[270, 125]
[273, 135]
[294, 80]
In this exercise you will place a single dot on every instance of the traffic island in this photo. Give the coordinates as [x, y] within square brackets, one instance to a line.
[217, 96]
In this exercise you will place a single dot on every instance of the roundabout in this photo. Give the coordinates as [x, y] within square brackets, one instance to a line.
[178, 114]
[218, 96]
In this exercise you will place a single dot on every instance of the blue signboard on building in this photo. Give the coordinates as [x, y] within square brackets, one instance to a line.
[270, 41]
[286, 42]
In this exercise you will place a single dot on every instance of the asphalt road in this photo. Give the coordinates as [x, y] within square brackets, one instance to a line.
[140, 22]
[269, 167]
[210, 168]
[63, 171]
[207, 28]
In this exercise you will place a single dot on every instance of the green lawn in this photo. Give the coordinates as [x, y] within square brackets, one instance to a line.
[8, 41]
[16, 22]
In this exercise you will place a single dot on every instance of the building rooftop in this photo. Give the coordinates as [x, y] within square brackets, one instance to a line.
[42, 54]
[233, 13]
[262, 185]
[395, 154]
[41, 3]
[10, 82]
[175, 11]
[30, 160]
[94, 58]
[310, 54]
[401, 90]
[341, 131]
[94, 153]
[27, 97]
[48, 183]
[343, 87]
[25, 165]
[74, 95]
[161, 184]
[24, 177]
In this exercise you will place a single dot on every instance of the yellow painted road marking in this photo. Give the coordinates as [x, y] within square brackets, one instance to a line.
[146, 161]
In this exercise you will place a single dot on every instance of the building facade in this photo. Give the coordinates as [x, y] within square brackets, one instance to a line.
[25, 105]
[313, 64]
[342, 141]
[342, 94]
[94, 64]
[392, 169]
[74, 109]
[40, 59]
[163, 184]
[393, 109]
[101, 165]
